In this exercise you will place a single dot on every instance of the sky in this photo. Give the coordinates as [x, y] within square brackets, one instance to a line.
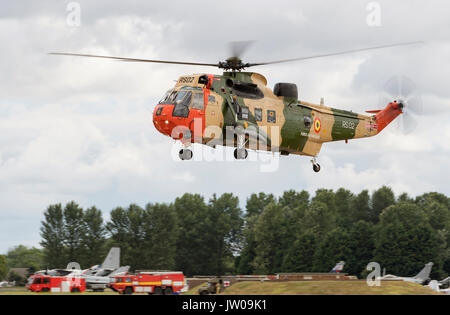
[81, 129]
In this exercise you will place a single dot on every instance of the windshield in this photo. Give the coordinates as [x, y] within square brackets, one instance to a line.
[168, 97]
[183, 97]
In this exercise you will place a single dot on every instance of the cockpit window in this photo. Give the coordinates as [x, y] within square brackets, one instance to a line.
[183, 97]
[168, 97]
[182, 102]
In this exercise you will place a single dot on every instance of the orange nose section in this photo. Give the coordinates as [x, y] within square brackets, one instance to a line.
[162, 119]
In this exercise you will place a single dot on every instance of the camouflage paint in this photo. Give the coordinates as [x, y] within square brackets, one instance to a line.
[294, 136]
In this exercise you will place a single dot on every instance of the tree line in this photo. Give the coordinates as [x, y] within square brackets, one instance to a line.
[295, 232]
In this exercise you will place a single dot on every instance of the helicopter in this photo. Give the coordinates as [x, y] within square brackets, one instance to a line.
[237, 109]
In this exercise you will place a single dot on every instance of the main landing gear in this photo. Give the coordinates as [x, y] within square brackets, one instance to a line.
[316, 166]
[185, 154]
[240, 154]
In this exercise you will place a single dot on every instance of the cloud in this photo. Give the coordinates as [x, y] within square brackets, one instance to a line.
[81, 129]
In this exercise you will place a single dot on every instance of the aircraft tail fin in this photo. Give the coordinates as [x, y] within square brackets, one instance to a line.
[112, 261]
[424, 274]
[338, 267]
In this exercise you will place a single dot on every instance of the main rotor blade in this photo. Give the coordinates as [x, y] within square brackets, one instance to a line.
[332, 54]
[237, 49]
[139, 60]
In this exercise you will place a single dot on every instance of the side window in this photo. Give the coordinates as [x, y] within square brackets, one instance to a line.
[271, 116]
[307, 121]
[258, 114]
[211, 99]
[37, 281]
[46, 281]
[244, 113]
[198, 102]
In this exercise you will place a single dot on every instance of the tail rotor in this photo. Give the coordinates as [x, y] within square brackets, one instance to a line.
[403, 90]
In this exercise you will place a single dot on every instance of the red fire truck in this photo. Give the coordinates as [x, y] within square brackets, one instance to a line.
[41, 283]
[157, 283]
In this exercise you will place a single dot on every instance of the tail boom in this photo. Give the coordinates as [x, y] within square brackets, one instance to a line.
[388, 115]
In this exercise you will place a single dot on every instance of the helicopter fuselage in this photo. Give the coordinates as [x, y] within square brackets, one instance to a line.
[218, 109]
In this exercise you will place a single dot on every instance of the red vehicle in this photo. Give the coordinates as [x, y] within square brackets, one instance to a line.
[157, 283]
[40, 283]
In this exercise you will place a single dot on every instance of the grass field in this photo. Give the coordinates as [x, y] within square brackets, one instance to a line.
[287, 288]
[328, 288]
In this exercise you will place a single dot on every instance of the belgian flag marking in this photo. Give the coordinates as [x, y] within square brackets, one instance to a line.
[317, 125]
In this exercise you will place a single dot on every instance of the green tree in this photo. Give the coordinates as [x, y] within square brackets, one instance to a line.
[361, 246]
[381, 199]
[248, 252]
[319, 218]
[343, 204]
[333, 248]
[74, 232]
[3, 267]
[405, 241]
[299, 257]
[93, 240]
[25, 257]
[269, 235]
[327, 197]
[293, 199]
[15, 277]
[225, 223]
[53, 237]
[257, 202]
[361, 207]
[126, 227]
[193, 252]
[160, 228]
[254, 207]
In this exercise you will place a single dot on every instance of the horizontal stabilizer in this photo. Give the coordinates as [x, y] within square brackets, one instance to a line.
[373, 111]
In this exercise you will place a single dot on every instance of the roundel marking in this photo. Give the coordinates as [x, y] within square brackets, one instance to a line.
[317, 125]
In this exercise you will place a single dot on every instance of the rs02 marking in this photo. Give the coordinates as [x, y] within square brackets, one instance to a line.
[348, 124]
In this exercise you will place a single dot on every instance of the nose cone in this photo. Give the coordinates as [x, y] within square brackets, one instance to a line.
[162, 119]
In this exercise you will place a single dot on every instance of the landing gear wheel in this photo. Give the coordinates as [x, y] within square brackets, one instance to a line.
[185, 155]
[240, 154]
[158, 291]
[128, 291]
[316, 168]
[168, 291]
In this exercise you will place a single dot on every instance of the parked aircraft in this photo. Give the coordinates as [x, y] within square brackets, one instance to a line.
[97, 277]
[422, 277]
[338, 268]
[436, 286]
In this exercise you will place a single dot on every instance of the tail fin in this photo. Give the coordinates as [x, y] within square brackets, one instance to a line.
[338, 268]
[386, 116]
[424, 274]
[112, 261]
